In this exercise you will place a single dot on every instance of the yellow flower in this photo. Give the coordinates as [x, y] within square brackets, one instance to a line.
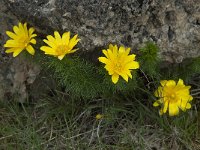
[173, 96]
[119, 62]
[21, 39]
[60, 46]
[99, 116]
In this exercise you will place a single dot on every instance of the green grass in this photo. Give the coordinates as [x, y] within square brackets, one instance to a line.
[59, 122]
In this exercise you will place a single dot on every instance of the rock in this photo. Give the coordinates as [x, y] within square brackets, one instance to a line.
[15, 77]
[173, 24]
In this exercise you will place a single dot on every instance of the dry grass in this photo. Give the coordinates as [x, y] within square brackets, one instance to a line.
[58, 122]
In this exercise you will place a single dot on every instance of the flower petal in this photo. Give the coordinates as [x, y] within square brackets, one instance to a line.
[48, 50]
[159, 92]
[180, 82]
[184, 106]
[33, 41]
[188, 106]
[109, 68]
[173, 109]
[21, 29]
[12, 43]
[30, 49]
[11, 34]
[121, 49]
[110, 46]
[73, 41]
[103, 60]
[132, 65]
[58, 38]
[11, 50]
[16, 29]
[110, 72]
[61, 57]
[65, 38]
[171, 83]
[57, 35]
[163, 82]
[33, 35]
[129, 74]
[166, 103]
[155, 104]
[124, 76]
[50, 43]
[105, 53]
[51, 39]
[112, 57]
[115, 50]
[161, 111]
[30, 31]
[17, 51]
[115, 78]
[72, 51]
[25, 29]
[190, 98]
[128, 51]
[130, 58]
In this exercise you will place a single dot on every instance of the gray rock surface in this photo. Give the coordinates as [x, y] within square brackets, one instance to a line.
[173, 24]
[16, 77]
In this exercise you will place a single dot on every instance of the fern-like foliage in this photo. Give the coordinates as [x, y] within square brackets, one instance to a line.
[149, 60]
[187, 69]
[77, 76]
[195, 65]
[84, 79]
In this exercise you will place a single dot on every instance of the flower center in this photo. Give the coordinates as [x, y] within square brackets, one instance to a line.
[24, 41]
[172, 97]
[118, 67]
[62, 49]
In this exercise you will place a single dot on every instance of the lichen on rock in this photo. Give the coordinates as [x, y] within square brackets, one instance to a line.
[173, 24]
